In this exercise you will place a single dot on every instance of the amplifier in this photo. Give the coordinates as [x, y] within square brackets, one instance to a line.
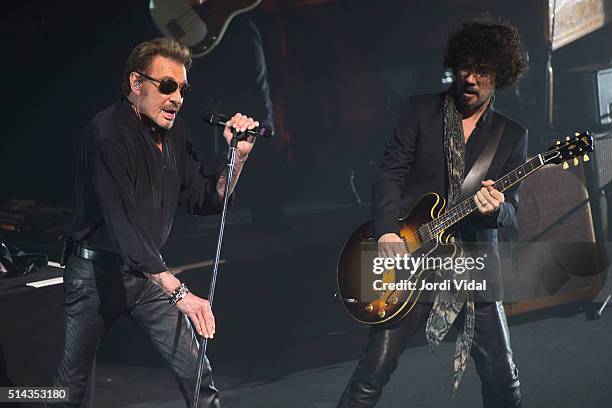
[556, 255]
[602, 159]
[583, 97]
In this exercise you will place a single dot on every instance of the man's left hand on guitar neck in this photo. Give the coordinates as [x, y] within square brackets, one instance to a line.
[488, 199]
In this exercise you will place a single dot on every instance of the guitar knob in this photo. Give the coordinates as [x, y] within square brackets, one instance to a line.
[558, 142]
[382, 313]
[576, 161]
[567, 138]
[565, 166]
[369, 308]
[577, 134]
[585, 158]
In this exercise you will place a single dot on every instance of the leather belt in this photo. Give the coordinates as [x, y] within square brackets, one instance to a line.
[97, 255]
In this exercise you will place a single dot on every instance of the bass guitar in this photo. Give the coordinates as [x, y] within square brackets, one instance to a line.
[374, 297]
[198, 24]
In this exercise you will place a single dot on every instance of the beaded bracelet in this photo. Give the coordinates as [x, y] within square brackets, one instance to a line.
[178, 293]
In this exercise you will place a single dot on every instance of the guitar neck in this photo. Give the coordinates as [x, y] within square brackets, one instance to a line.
[468, 206]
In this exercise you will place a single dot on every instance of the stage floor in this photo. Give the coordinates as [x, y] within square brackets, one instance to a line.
[563, 360]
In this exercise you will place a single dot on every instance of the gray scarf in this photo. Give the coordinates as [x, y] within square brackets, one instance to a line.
[448, 304]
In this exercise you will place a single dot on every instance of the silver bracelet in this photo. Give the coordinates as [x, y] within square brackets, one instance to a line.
[178, 293]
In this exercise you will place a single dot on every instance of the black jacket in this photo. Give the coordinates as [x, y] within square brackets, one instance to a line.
[127, 190]
[414, 164]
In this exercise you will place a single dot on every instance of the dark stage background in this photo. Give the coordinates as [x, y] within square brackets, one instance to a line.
[339, 72]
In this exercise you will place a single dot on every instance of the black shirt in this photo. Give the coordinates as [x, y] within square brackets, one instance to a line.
[127, 190]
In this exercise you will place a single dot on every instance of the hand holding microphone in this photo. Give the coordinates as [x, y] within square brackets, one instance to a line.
[220, 120]
[241, 124]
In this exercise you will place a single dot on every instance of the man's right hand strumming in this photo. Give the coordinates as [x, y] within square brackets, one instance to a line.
[390, 245]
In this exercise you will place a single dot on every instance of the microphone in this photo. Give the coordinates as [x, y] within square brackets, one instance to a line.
[219, 120]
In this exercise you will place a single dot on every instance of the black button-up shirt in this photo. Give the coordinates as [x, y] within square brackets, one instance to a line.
[127, 190]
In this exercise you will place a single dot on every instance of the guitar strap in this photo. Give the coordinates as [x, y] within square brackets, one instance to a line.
[472, 182]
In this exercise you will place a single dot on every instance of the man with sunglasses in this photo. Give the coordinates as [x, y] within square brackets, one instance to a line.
[135, 165]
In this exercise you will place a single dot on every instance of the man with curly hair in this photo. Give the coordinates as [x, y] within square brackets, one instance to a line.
[438, 139]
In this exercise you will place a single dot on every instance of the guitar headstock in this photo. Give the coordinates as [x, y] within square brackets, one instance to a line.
[570, 150]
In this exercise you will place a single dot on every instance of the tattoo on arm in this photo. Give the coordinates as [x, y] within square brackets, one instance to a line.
[155, 278]
[223, 177]
[165, 280]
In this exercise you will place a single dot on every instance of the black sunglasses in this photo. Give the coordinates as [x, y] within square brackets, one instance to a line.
[168, 86]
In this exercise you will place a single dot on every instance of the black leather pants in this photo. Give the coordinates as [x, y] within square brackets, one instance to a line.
[490, 350]
[95, 296]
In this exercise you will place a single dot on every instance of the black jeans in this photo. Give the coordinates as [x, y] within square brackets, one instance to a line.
[95, 296]
[490, 350]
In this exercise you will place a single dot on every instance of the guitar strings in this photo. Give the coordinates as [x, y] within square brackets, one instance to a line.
[502, 184]
[468, 205]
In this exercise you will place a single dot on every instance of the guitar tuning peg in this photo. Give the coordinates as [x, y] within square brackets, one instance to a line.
[565, 166]
[576, 161]
[577, 134]
[558, 142]
[585, 158]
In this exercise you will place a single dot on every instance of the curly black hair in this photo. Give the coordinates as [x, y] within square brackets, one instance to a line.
[486, 46]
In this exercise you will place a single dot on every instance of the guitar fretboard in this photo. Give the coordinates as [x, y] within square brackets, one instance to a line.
[467, 206]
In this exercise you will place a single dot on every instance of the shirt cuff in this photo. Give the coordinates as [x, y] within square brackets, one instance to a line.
[153, 267]
[385, 224]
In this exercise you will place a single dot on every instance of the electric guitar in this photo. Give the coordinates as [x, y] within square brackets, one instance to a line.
[199, 25]
[370, 296]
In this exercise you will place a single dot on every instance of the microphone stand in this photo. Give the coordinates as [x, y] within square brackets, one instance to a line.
[203, 342]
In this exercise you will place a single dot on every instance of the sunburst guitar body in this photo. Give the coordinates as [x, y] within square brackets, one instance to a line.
[375, 298]
[356, 278]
